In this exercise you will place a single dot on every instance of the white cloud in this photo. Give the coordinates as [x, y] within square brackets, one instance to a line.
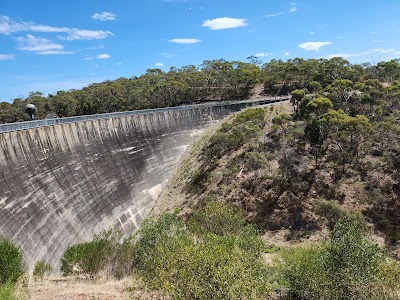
[169, 54]
[274, 15]
[7, 27]
[287, 53]
[224, 23]
[369, 52]
[340, 37]
[347, 55]
[293, 8]
[84, 34]
[159, 65]
[373, 33]
[32, 43]
[262, 54]
[381, 50]
[185, 41]
[100, 56]
[313, 46]
[104, 16]
[103, 56]
[6, 56]
[56, 52]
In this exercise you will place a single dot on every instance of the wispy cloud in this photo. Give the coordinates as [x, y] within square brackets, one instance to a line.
[54, 52]
[381, 50]
[103, 56]
[40, 45]
[100, 56]
[313, 46]
[169, 54]
[159, 65]
[104, 16]
[224, 23]
[392, 52]
[8, 27]
[263, 54]
[347, 55]
[185, 41]
[84, 34]
[274, 15]
[293, 8]
[287, 53]
[6, 56]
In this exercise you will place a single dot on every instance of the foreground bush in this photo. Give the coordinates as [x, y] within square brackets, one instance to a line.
[218, 218]
[7, 291]
[212, 265]
[41, 269]
[11, 266]
[347, 266]
[106, 254]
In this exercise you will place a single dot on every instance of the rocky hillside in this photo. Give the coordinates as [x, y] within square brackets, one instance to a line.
[295, 175]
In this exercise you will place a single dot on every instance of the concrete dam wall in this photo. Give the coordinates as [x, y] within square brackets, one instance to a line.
[62, 183]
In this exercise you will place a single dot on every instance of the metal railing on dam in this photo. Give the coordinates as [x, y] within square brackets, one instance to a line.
[49, 122]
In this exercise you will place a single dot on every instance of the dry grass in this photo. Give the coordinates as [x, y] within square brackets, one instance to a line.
[74, 288]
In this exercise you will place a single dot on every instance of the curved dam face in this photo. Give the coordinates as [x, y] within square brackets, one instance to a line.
[60, 184]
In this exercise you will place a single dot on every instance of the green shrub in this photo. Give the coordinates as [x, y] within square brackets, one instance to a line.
[332, 212]
[255, 116]
[199, 181]
[121, 262]
[7, 291]
[347, 266]
[41, 269]
[244, 127]
[254, 160]
[86, 258]
[158, 242]
[218, 218]
[11, 266]
[226, 265]
[107, 253]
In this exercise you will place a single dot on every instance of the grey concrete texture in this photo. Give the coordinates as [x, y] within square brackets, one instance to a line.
[61, 184]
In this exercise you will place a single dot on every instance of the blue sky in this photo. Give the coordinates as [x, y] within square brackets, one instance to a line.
[60, 45]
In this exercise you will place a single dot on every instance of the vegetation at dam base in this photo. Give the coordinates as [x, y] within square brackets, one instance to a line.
[328, 168]
[214, 254]
[217, 250]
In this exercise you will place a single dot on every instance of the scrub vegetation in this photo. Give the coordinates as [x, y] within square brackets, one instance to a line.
[325, 173]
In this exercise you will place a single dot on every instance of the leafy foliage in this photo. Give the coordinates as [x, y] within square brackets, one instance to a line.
[86, 258]
[7, 291]
[225, 265]
[347, 266]
[41, 269]
[11, 266]
[217, 218]
[214, 80]
[106, 253]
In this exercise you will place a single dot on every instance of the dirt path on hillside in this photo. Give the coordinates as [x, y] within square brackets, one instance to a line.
[60, 288]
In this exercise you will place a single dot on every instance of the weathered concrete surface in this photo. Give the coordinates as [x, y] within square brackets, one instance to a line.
[60, 184]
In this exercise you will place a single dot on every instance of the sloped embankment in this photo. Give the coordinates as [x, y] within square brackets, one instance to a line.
[270, 173]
